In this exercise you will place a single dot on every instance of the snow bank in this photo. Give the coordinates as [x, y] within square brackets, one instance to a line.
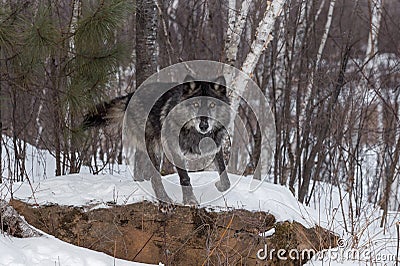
[49, 251]
[370, 243]
[100, 190]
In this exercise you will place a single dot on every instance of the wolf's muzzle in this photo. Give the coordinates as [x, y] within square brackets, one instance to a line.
[203, 123]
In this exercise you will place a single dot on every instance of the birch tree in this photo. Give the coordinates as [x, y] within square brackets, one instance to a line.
[262, 38]
[235, 29]
[306, 110]
[387, 159]
[307, 94]
[370, 87]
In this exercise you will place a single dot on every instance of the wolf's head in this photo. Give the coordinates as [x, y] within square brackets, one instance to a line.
[206, 102]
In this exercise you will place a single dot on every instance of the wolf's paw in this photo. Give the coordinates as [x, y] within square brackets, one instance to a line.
[165, 199]
[222, 186]
[166, 208]
[190, 200]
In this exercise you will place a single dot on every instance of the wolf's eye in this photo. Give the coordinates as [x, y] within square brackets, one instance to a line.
[212, 105]
[196, 104]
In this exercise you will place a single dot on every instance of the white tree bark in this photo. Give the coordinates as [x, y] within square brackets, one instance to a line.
[280, 57]
[263, 36]
[38, 121]
[172, 14]
[231, 21]
[307, 94]
[326, 32]
[319, 10]
[371, 62]
[376, 15]
[369, 71]
[234, 34]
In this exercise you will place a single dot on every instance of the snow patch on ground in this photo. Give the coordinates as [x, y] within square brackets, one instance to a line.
[101, 191]
[329, 209]
[370, 243]
[97, 191]
[49, 251]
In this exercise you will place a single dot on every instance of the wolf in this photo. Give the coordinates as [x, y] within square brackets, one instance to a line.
[199, 114]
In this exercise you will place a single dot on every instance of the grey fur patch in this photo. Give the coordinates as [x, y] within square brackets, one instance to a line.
[142, 130]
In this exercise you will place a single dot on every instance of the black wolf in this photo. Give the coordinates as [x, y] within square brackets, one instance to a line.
[202, 102]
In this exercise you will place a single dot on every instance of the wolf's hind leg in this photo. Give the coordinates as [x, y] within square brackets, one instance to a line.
[223, 184]
[140, 166]
[155, 176]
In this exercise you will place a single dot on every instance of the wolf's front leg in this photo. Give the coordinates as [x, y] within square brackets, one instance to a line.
[159, 190]
[187, 190]
[223, 184]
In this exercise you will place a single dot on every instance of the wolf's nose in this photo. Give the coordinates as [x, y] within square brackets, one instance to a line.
[203, 123]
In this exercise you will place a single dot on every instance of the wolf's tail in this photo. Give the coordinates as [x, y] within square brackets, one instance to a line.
[107, 113]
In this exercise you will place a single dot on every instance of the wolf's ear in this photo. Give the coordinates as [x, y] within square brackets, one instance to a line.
[190, 79]
[220, 84]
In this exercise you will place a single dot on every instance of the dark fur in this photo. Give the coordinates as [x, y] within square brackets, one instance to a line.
[189, 137]
[101, 115]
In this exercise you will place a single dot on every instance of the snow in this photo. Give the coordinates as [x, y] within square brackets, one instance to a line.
[39, 164]
[99, 191]
[103, 191]
[328, 209]
[49, 251]
[79, 190]
[371, 243]
[268, 233]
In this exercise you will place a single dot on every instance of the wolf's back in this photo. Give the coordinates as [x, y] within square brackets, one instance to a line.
[106, 113]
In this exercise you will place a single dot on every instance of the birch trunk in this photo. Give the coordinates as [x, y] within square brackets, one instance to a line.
[308, 92]
[306, 105]
[376, 15]
[231, 22]
[370, 70]
[389, 189]
[263, 37]
[319, 10]
[234, 34]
